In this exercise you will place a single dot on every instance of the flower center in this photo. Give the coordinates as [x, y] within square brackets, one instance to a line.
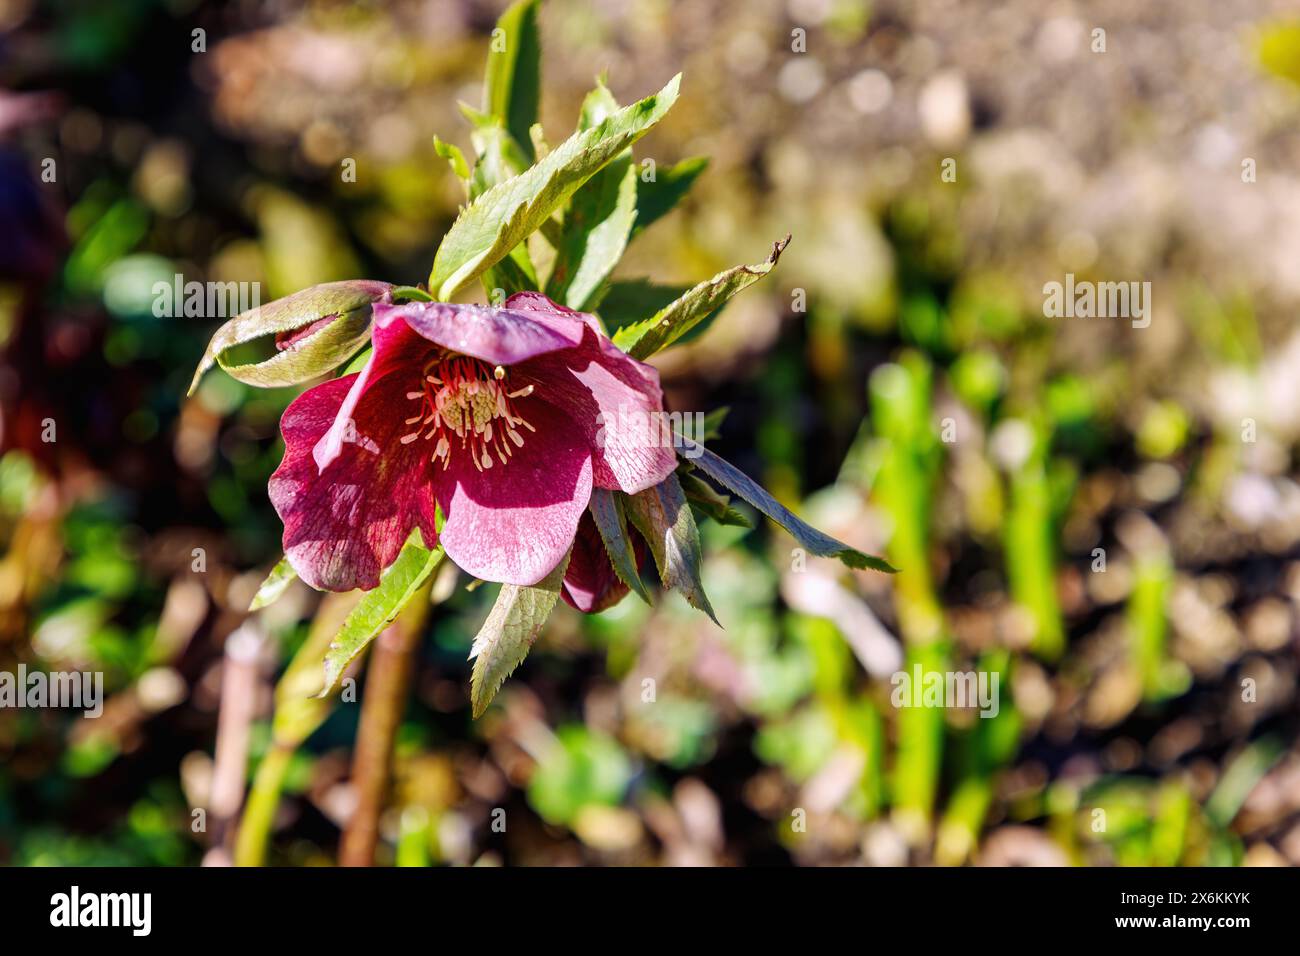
[464, 402]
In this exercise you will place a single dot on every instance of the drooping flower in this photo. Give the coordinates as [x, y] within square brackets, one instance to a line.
[591, 584]
[502, 418]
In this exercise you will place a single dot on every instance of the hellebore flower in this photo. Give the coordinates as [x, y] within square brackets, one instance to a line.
[501, 418]
[591, 584]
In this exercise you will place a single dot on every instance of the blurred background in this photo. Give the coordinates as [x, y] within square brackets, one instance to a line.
[1107, 517]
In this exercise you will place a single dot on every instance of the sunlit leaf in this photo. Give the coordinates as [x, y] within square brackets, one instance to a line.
[380, 606]
[673, 321]
[611, 522]
[628, 301]
[509, 633]
[452, 154]
[598, 220]
[499, 159]
[596, 232]
[276, 583]
[512, 86]
[506, 214]
[664, 519]
[499, 156]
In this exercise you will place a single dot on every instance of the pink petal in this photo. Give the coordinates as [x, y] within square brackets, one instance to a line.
[344, 525]
[617, 402]
[498, 336]
[514, 522]
[542, 308]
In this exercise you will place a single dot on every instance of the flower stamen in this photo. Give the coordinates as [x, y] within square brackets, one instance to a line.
[462, 396]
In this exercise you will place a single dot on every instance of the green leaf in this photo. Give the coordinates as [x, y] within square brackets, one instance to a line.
[713, 422]
[512, 274]
[509, 633]
[710, 502]
[628, 301]
[596, 230]
[598, 220]
[300, 706]
[809, 538]
[241, 344]
[597, 106]
[1241, 777]
[513, 83]
[664, 519]
[452, 154]
[499, 156]
[361, 358]
[538, 137]
[611, 522]
[380, 606]
[410, 293]
[276, 583]
[675, 320]
[656, 198]
[509, 212]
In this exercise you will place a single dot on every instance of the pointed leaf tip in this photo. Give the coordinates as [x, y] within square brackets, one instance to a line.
[700, 304]
[509, 632]
[664, 518]
[273, 588]
[816, 542]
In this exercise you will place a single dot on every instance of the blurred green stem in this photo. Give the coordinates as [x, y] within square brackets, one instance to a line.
[263, 801]
[1031, 551]
[1147, 620]
[909, 456]
[298, 712]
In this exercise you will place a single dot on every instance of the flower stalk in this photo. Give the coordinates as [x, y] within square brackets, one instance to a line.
[388, 683]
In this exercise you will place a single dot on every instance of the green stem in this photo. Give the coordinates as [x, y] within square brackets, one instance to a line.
[263, 801]
[298, 712]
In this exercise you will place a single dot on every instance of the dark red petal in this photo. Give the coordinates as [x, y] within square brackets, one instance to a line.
[345, 524]
[590, 584]
[292, 338]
